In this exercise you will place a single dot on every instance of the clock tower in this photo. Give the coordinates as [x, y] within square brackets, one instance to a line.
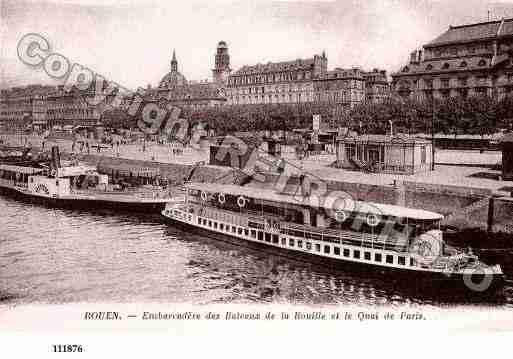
[222, 69]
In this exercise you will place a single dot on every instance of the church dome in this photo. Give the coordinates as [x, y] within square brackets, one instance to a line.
[172, 79]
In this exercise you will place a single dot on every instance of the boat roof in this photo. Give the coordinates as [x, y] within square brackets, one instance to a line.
[356, 206]
[20, 169]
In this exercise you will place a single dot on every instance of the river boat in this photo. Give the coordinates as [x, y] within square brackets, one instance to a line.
[370, 237]
[77, 186]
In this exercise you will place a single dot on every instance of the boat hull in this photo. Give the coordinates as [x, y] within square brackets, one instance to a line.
[415, 281]
[84, 203]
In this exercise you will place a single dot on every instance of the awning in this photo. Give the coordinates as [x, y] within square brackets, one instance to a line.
[379, 209]
[20, 169]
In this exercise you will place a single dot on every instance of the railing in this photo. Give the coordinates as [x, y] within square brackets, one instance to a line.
[11, 183]
[125, 192]
[6, 182]
[362, 239]
[223, 215]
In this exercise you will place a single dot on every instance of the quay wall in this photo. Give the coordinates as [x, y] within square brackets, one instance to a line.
[463, 207]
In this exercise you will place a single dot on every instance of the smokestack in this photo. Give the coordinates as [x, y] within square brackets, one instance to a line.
[56, 158]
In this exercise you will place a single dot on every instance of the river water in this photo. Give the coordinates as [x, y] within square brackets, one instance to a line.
[64, 256]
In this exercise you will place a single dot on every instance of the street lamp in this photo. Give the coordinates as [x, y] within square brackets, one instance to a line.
[433, 135]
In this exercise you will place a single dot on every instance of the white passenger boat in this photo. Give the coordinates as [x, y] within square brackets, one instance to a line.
[375, 238]
[75, 185]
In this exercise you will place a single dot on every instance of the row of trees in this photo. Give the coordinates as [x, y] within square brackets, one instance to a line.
[475, 115]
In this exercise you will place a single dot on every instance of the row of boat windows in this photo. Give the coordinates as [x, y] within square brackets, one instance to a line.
[326, 249]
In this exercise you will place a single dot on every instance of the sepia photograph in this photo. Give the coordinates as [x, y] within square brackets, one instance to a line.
[304, 169]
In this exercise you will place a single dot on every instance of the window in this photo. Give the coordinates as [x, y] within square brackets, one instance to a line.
[210, 223]
[284, 241]
[308, 245]
[367, 256]
[463, 64]
[481, 63]
[401, 260]
[215, 225]
[234, 229]
[300, 244]
[253, 233]
[346, 252]
[268, 237]
[291, 242]
[429, 67]
[317, 247]
[406, 69]
[390, 259]
[423, 155]
[246, 232]
[260, 236]
[336, 250]
[412, 262]
[199, 220]
[445, 66]
[275, 238]
[445, 82]
[239, 231]
[356, 254]
[377, 257]
[327, 249]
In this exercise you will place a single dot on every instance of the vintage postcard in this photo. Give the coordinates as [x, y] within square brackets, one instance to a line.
[234, 177]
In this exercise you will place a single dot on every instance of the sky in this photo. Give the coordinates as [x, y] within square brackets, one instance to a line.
[131, 42]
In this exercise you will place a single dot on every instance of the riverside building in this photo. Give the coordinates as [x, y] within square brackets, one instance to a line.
[467, 60]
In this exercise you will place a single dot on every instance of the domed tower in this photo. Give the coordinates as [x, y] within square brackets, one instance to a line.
[174, 77]
[222, 64]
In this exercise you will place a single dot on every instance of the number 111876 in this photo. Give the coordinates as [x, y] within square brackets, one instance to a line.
[67, 348]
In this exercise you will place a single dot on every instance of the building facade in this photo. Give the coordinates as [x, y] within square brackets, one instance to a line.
[19, 106]
[304, 81]
[46, 106]
[467, 60]
[377, 87]
[340, 87]
[278, 82]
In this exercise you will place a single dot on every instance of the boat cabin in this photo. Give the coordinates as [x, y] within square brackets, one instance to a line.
[17, 175]
[47, 182]
[356, 222]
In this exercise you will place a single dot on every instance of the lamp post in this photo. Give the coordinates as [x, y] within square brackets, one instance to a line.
[433, 135]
